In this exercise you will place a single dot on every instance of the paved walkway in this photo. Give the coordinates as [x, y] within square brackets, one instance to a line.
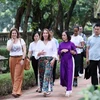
[58, 93]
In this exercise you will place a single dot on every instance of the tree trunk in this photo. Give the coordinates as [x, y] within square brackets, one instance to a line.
[86, 18]
[19, 14]
[27, 14]
[69, 14]
[59, 20]
[60, 16]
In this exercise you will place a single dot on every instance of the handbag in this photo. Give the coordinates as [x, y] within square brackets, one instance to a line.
[87, 74]
[26, 64]
[26, 60]
[84, 52]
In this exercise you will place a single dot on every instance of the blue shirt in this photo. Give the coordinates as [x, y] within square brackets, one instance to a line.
[84, 37]
[56, 42]
[94, 47]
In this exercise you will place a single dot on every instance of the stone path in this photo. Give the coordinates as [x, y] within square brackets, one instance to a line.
[57, 94]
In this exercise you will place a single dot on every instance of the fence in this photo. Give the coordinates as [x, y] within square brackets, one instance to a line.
[4, 37]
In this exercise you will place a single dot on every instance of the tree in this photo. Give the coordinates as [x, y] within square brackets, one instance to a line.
[68, 15]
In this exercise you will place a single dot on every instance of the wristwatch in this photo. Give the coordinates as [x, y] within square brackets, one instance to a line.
[23, 59]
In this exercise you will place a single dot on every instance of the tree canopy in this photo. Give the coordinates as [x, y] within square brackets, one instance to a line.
[32, 15]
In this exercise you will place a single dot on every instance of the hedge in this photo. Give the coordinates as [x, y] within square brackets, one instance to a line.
[29, 81]
[6, 85]
[5, 53]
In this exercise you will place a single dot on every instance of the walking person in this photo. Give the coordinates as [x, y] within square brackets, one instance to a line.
[93, 54]
[31, 54]
[17, 48]
[47, 53]
[79, 43]
[57, 45]
[66, 51]
[83, 51]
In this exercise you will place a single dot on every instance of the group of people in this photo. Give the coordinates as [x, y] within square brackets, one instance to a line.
[44, 52]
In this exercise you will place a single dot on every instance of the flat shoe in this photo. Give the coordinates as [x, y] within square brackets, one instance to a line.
[38, 90]
[15, 95]
[46, 94]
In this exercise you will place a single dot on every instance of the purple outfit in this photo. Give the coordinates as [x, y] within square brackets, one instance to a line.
[66, 65]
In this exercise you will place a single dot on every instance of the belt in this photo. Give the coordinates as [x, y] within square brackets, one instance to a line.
[46, 58]
[16, 56]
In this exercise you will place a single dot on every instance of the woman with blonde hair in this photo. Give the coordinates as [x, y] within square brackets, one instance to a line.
[47, 53]
[17, 51]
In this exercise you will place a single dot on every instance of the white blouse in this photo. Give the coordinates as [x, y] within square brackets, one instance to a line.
[33, 47]
[49, 48]
[77, 41]
[16, 49]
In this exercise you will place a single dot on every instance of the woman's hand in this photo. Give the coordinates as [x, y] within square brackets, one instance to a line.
[64, 50]
[22, 62]
[41, 53]
[87, 61]
[72, 52]
[79, 47]
[52, 62]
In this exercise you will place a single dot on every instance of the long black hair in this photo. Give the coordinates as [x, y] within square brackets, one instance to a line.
[68, 35]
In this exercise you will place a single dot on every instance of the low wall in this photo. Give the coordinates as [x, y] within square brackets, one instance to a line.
[4, 37]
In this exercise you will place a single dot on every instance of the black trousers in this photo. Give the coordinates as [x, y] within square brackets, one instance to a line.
[82, 64]
[54, 71]
[35, 68]
[77, 59]
[93, 71]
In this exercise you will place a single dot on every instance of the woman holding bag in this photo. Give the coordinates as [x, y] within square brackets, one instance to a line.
[17, 48]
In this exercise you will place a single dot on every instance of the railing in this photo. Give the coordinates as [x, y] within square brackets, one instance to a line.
[4, 37]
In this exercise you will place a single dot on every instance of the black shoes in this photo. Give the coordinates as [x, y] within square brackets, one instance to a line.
[39, 90]
[16, 95]
[75, 82]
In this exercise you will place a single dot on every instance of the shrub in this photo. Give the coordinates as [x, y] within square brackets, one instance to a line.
[91, 94]
[5, 63]
[59, 40]
[4, 52]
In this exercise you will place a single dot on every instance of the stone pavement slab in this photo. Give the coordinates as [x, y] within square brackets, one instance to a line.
[57, 94]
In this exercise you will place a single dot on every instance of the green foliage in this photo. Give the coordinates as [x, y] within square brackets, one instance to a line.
[91, 94]
[4, 64]
[8, 10]
[59, 40]
[48, 11]
[83, 12]
[4, 52]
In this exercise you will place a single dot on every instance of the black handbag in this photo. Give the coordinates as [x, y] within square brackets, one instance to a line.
[87, 74]
[84, 53]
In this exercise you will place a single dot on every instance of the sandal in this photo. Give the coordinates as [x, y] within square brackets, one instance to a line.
[46, 94]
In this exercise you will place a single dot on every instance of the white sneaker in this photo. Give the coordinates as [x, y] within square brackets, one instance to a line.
[80, 75]
[68, 93]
